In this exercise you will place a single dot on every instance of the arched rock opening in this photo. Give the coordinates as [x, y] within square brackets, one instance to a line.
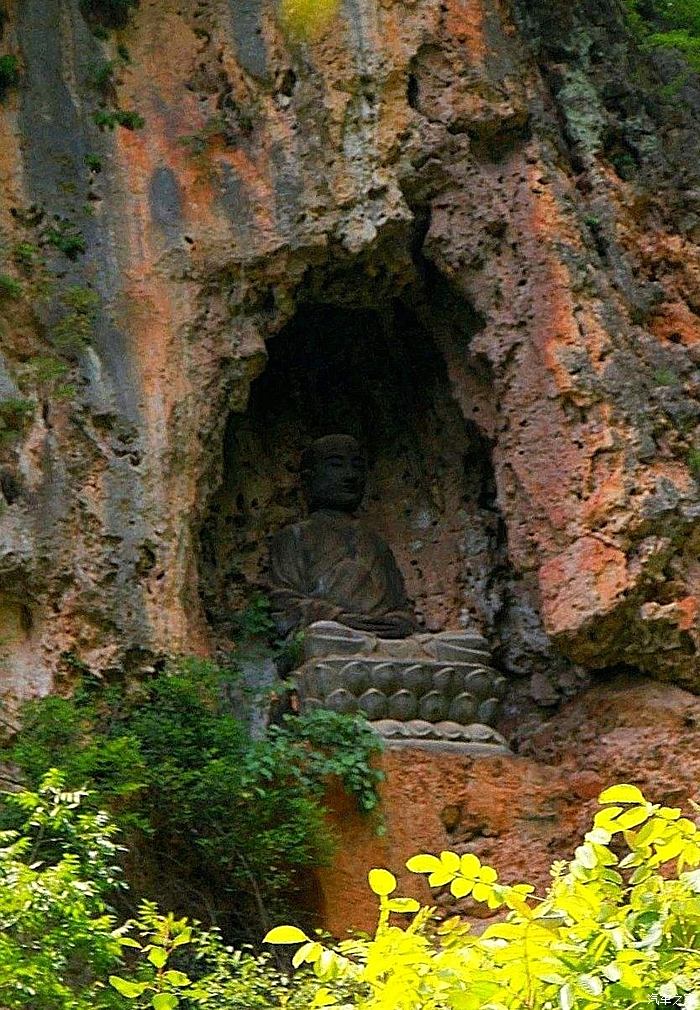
[381, 374]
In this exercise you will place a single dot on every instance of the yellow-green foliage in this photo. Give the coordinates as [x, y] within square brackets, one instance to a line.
[618, 928]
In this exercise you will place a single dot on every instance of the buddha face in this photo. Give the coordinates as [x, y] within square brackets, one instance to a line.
[334, 473]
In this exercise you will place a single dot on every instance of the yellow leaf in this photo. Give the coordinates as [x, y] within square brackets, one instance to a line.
[423, 864]
[604, 820]
[670, 850]
[469, 864]
[450, 861]
[487, 874]
[440, 877]
[481, 892]
[503, 931]
[310, 952]
[382, 882]
[631, 818]
[461, 887]
[515, 902]
[285, 934]
[603, 854]
[623, 793]
[323, 998]
[652, 829]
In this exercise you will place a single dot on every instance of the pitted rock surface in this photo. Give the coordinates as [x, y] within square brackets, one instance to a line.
[509, 178]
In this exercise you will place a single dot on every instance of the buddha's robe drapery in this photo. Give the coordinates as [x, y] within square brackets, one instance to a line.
[331, 566]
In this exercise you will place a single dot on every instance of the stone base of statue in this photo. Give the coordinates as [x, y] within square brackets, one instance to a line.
[430, 690]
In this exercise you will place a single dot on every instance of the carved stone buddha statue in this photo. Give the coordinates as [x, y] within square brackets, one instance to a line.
[333, 576]
[331, 566]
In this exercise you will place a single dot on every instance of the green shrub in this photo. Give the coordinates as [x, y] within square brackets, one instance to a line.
[61, 947]
[47, 374]
[237, 822]
[101, 75]
[57, 940]
[26, 254]
[109, 118]
[339, 746]
[668, 24]
[618, 928]
[65, 237]
[94, 163]
[255, 620]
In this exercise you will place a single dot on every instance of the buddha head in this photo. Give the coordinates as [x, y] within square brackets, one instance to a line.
[334, 473]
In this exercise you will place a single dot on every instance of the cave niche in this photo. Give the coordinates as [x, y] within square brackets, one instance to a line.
[377, 374]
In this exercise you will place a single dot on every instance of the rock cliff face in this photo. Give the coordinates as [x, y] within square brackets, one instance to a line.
[465, 230]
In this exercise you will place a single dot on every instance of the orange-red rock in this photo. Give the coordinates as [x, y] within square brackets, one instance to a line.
[518, 813]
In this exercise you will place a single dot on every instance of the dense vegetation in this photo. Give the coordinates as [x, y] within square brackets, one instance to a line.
[670, 24]
[225, 824]
[619, 928]
[61, 947]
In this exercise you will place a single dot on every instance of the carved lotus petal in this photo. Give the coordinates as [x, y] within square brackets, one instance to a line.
[488, 710]
[342, 701]
[433, 707]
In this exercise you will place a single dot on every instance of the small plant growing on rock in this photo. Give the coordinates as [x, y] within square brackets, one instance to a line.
[102, 76]
[15, 413]
[108, 119]
[47, 375]
[64, 236]
[10, 287]
[255, 620]
[9, 73]
[666, 377]
[94, 163]
[26, 255]
[74, 330]
[694, 462]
